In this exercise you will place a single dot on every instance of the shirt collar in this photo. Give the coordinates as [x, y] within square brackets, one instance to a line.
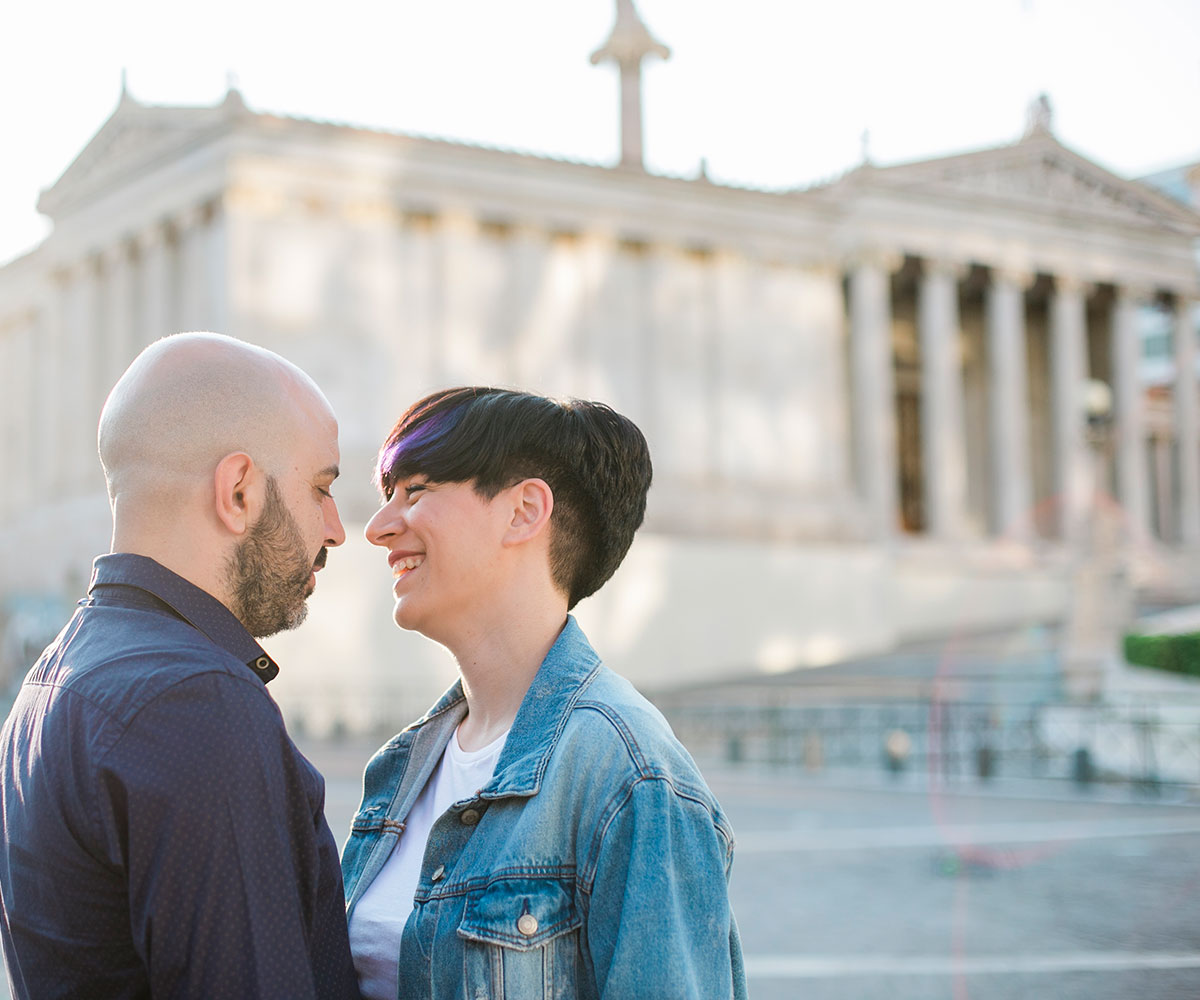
[195, 606]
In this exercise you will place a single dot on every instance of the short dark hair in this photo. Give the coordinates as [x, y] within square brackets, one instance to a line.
[595, 461]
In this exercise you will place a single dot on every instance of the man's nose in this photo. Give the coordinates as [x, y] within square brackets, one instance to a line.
[335, 534]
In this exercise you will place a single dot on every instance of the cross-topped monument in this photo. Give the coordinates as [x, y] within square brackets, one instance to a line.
[629, 43]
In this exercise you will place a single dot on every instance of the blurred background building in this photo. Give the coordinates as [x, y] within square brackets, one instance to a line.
[865, 399]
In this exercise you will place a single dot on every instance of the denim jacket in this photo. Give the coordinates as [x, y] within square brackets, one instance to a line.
[594, 864]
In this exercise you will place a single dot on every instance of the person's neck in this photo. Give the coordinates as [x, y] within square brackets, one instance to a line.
[498, 665]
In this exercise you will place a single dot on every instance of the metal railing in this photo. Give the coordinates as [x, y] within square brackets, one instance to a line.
[1147, 745]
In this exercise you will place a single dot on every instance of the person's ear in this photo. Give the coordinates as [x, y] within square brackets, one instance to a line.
[237, 485]
[532, 502]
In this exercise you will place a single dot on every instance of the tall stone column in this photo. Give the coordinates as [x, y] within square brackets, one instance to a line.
[193, 249]
[72, 396]
[118, 349]
[85, 358]
[1008, 399]
[822, 332]
[154, 285]
[218, 286]
[683, 363]
[1129, 425]
[1186, 415]
[874, 390]
[459, 294]
[1068, 360]
[530, 293]
[943, 436]
[601, 357]
[47, 416]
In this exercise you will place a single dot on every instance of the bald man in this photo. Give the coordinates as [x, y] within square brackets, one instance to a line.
[162, 835]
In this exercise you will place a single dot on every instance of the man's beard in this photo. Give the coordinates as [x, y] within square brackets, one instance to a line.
[269, 572]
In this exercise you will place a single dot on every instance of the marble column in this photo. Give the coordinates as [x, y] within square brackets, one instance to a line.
[193, 283]
[1186, 416]
[154, 286]
[217, 284]
[87, 361]
[71, 395]
[1068, 360]
[120, 325]
[823, 328]
[47, 413]
[602, 352]
[682, 367]
[943, 438]
[1008, 399]
[874, 390]
[459, 293]
[1129, 421]
[20, 407]
[416, 368]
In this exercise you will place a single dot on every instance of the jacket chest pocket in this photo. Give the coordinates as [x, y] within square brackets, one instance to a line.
[521, 941]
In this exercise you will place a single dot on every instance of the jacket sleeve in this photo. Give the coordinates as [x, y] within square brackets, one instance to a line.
[217, 824]
[659, 922]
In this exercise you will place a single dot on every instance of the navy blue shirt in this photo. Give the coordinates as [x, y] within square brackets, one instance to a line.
[162, 835]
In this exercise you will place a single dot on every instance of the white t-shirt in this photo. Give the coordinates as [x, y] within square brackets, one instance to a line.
[382, 911]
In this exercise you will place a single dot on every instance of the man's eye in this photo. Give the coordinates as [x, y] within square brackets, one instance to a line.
[325, 492]
[413, 488]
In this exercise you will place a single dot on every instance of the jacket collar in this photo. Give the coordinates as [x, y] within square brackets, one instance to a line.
[564, 675]
[562, 678]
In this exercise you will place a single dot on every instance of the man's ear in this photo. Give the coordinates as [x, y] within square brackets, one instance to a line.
[237, 486]
[532, 504]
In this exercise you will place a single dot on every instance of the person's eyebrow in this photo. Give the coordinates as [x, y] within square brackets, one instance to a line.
[330, 471]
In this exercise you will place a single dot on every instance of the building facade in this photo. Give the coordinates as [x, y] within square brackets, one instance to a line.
[867, 401]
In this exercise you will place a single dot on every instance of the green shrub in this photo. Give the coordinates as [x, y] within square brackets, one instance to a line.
[1178, 654]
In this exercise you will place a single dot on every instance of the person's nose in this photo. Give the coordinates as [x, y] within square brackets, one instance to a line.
[335, 534]
[386, 524]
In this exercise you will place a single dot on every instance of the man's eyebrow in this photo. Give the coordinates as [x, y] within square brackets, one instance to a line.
[331, 471]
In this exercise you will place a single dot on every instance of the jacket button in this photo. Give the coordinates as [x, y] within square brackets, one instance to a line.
[527, 924]
[438, 872]
[469, 817]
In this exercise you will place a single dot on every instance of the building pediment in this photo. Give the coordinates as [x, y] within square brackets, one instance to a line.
[1037, 174]
[134, 136]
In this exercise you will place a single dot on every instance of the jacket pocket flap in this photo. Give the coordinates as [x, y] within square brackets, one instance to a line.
[520, 913]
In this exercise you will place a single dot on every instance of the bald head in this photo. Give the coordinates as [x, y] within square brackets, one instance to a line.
[189, 400]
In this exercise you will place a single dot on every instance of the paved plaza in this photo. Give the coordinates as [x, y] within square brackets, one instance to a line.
[856, 885]
[860, 885]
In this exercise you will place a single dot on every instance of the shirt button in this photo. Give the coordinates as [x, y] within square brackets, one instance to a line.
[527, 924]
[469, 817]
[438, 872]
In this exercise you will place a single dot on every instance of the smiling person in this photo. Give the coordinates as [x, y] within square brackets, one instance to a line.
[162, 835]
[539, 832]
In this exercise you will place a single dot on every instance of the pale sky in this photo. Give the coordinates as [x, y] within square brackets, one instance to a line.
[771, 92]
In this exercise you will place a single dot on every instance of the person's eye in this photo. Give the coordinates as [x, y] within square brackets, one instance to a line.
[412, 489]
[325, 492]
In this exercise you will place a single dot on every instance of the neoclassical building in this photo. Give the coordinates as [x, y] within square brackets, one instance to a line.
[866, 400]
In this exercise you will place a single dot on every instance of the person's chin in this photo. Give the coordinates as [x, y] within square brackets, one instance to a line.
[405, 615]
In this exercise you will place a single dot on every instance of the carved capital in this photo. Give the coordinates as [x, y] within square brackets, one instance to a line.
[1016, 277]
[887, 260]
[191, 217]
[152, 237]
[116, 255]
[1071, 284]
[1134, 294]
[943, 267]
